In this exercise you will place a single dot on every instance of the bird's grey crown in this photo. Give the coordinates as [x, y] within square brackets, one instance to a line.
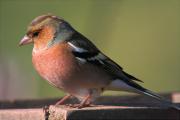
[41, 18]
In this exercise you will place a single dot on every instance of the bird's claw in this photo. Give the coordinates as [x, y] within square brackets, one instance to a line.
[79, 106]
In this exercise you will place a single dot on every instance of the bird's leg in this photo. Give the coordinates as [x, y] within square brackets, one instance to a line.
[85, 102]
[61, 101]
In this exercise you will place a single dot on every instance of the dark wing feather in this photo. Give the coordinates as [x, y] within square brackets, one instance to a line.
[92, 55]
[131, 77]
[80, 41]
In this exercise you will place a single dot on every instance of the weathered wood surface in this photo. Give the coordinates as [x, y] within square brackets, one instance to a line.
[109, 107]
[113, 113]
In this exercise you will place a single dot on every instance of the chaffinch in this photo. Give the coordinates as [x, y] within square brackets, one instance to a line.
[72, 63]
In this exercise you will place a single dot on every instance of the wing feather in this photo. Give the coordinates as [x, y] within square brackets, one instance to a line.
[85, 50]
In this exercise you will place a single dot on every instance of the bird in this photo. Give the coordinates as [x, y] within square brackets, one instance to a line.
[72, 63]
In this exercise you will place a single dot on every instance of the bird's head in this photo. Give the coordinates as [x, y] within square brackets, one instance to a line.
[45, 31]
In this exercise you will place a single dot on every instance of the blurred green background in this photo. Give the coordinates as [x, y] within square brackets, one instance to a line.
[143, 36]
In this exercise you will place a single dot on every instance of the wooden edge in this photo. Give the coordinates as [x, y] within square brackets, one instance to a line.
[22, 114]
[131, 100]
[97, 112]
[113, 112]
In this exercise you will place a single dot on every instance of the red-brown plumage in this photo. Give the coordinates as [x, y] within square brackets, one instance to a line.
[56, 64]
[46, 34]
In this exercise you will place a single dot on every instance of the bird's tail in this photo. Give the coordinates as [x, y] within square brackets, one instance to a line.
[131, 86]
[160, 98]
[139, 89]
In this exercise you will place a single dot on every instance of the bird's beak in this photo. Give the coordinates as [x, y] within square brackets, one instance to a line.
[25, 40]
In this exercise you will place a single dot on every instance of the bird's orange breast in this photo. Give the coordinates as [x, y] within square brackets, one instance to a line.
[55, 64]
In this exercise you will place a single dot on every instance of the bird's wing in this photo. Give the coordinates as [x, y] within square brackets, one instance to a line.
[86, 51]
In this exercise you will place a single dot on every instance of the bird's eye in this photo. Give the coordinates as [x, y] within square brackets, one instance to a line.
[35, 34]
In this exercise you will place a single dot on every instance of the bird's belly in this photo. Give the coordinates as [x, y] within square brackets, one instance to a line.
[88, 80]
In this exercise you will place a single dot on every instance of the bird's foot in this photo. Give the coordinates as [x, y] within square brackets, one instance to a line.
[79, 106]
